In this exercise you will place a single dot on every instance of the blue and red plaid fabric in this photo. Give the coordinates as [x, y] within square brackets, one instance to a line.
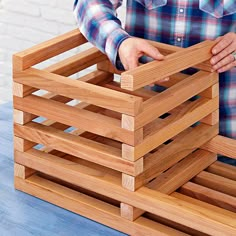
[176, 22]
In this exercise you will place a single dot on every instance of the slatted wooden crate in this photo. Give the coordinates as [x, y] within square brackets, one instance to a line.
[136, 160]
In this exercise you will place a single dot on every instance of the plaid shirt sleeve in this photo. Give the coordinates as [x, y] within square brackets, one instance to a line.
[97, 21]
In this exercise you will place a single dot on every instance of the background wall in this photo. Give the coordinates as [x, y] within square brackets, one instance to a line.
[24, 23]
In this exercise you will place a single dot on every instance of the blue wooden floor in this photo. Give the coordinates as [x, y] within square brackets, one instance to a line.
[24, 215]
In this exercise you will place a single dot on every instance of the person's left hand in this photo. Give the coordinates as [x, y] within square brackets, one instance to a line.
[223, 59]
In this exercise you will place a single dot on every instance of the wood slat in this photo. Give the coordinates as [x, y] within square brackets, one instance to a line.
[171, 126]
[173, 63]
[183, 171]
[222, 145]
[75, 89]
[216, 182]
[180, 173]
[210, 196]
[168, 155]
[92, 208]
[149, 200]
[202, 204]
[166, 49]
[223, 169]
[77, 62]
[48, 49]
[79, 118]
[174, 96]
[78, 146]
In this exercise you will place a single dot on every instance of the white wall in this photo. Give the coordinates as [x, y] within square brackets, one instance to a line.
[24, 23]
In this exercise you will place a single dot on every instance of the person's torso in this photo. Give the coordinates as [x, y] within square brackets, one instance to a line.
[180, 22]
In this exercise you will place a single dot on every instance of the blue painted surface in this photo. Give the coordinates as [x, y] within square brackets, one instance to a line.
[24, 215]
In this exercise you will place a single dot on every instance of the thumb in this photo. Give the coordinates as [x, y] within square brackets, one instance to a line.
[151, 51]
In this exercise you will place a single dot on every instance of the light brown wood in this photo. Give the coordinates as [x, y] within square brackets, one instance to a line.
[216, 182]
[21, 90]
[108, 67]
[149, 200]
[78, 146]
[171, 126]
[122, 143]
[92, 208]
[46, 50]
[205, 205]
[79, 118]
[174, 96]
[168, 155]
[210, 196]
[223, 169]
[76, 89]
[156, 70]
[183, 171]
[211, 92]
[77, 62]
[222, 145]
[212, 119]
[21, 117]
[22, 145]
[22, 171]
[129, 212]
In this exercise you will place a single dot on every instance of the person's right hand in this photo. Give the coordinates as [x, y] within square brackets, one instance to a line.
[132, 49]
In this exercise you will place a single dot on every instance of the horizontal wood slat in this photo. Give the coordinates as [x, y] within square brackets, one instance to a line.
[173, 125]
[149, 200]
[78, 146]
[48, 49]
[208, 195]
[173, 63]
[79, 118]
[77, 62]
[222, 145]
[183, 171]
[76, 89]
[92, 208]
[174, 96]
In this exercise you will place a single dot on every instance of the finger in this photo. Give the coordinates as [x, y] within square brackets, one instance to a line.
[222, 43]
[132, 63]
[150, 51]
[225, 61]
[227, 67]
[227, 51]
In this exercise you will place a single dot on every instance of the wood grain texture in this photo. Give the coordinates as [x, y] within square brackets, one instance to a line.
[168, 155]
[92, 208]
[78, 146]
[216, 182]
[174, 96]
[46, 50]
[77, 62]
[79, 118]
[149, 200]
[222, 145]
[173, 125]
[156, 70]
[223, 169]
[76, 89]
[183, 171]
[210, 196]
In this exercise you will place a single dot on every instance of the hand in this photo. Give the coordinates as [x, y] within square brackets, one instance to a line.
[223, 59]
[132, 49]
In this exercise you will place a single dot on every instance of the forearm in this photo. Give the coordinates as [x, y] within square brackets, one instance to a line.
[97, 21]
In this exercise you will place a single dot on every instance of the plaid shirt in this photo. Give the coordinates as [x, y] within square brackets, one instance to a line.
[176, 22]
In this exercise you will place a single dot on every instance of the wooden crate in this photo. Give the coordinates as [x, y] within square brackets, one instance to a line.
[139, 161]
